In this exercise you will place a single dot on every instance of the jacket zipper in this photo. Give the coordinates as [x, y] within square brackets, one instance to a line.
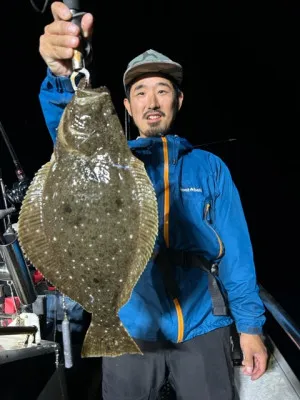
[178, 308]
[221, 246]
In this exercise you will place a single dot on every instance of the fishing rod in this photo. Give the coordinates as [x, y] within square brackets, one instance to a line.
[19, 170]
[17, 193]
[215, 142]
[14, 260]
[40, 9]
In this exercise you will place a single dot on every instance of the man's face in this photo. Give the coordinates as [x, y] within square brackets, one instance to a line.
[153, 105]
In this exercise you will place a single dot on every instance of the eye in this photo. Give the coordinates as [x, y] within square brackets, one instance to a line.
[140, 93]
[162, 91]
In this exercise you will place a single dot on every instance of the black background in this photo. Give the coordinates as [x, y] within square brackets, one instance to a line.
[241, 80]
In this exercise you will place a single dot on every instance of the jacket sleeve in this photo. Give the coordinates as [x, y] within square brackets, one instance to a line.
[55, 94]
[237, 269]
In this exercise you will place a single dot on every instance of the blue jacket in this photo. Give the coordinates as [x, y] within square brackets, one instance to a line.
[199, 211]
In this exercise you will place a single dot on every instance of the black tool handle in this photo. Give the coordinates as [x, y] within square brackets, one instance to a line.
[83, 54]
[78, 58]
[73, 4]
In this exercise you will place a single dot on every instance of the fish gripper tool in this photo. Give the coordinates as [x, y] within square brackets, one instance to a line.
[82, 55]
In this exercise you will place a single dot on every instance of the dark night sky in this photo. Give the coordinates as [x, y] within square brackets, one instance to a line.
[241, 80]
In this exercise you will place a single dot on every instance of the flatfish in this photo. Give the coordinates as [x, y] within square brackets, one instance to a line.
[89, 219]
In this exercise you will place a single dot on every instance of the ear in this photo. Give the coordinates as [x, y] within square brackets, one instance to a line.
[180, 100]
[127, 106]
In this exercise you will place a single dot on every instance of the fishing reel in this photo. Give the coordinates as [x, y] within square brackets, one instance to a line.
[16, 194]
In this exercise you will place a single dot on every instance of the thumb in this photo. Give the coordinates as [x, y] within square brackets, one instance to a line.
[87, 25]
[248, 364]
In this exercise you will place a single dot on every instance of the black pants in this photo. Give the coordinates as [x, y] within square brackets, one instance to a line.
[199, 369]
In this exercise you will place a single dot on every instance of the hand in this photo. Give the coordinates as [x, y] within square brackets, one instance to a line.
[61, 37]
[255, 355]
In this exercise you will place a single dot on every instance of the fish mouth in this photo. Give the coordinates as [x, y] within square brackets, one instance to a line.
[89, 96]
[92, 92]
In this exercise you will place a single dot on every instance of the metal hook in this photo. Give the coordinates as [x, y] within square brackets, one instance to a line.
[74, 75]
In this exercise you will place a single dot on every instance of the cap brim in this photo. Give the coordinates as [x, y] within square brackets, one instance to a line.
[172, 69]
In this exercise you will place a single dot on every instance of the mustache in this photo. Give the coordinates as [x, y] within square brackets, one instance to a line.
[161, 113]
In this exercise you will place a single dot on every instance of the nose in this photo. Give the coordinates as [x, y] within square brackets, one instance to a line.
[153, 102]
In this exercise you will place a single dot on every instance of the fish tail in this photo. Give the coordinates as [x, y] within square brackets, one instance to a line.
[101, 341]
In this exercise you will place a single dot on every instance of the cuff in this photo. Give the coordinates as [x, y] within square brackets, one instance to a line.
[251, 330]
[61, 83]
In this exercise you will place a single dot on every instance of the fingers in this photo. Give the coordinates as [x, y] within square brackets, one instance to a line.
[260, 366]
[256, 366]
[55, 53]
[53, 45]
[248, 365]
[87, 25]
[62, 28]
[60, 11]
[54, 40]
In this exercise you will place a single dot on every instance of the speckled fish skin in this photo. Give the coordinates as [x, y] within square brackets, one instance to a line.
[89, 219]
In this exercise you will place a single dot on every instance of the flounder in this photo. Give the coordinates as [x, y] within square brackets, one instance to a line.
[89, 219]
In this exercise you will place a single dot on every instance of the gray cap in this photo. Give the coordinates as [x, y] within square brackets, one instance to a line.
[152, 61]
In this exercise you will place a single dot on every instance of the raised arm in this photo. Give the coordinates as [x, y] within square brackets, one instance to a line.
[57, 45]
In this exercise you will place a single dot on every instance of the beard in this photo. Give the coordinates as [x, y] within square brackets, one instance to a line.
[157, 129]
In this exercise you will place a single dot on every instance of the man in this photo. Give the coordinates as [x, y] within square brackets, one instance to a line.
[175, 312]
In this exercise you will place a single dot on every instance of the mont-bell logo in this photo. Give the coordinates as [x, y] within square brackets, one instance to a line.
[191, 189]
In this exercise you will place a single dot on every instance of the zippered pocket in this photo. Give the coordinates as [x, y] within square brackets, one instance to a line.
[209, 218]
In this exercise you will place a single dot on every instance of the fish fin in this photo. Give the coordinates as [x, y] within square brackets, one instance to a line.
[147, 227]
[100, 341]
[31, 233]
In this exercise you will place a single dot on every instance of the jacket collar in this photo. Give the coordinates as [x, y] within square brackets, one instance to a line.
[176, 145]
